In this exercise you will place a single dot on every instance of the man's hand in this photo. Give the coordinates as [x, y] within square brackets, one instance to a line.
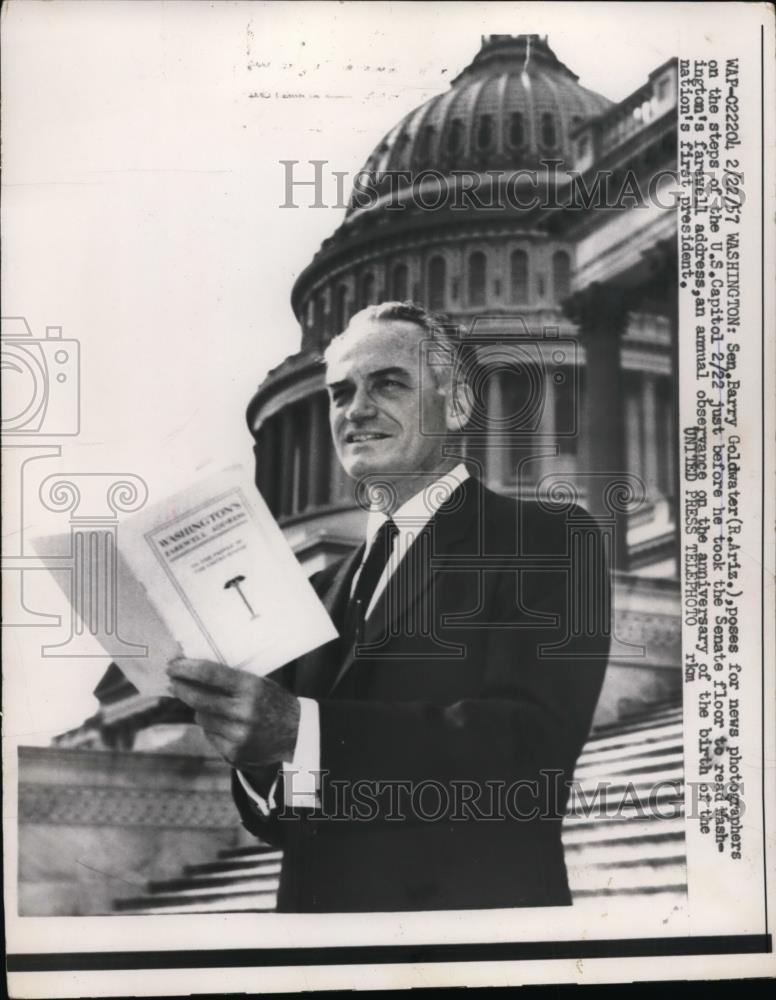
[251, 721]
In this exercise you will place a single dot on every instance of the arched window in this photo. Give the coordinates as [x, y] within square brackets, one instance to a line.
[548, 129]
[367, 291]
[516, 130]
[485, 131]
[561, 275]
[518, 273]
[477, 278]
[455, 136]
[437, 278]
[399, 282]
[340, 309]
[426, 143]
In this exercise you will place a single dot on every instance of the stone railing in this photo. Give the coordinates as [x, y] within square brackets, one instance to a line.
[96, 825]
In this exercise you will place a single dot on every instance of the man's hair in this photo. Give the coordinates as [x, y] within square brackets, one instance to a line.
[433, 325]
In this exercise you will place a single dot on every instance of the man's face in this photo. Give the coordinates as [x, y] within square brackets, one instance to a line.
[378, 402]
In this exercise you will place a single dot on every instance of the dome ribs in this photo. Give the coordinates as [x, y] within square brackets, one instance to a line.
[502, 112]
[470, 120]
[425, 148]
[558, 111]
[445, 105]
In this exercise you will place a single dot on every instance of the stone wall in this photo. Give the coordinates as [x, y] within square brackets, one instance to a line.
[645, 658]
[96, 825]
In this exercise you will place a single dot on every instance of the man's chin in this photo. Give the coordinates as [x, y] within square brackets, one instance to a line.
[363, 465]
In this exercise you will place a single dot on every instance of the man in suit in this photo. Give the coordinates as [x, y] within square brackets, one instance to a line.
[421, 760]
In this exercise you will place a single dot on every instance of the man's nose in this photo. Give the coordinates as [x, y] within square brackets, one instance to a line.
[361, 406]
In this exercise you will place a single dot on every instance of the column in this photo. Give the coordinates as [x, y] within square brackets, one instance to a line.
[328, 314]
[260, 440]
[601, 312]
[302, 441]
[662, 258]
[546, 444]
[319, 451]
[266, 463]
[674, 451]
[286, 469]
[668, 443]
[650, 438]
[497, 438]
[633, 427]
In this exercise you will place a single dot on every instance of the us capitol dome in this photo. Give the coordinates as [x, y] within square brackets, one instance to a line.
[491, 264]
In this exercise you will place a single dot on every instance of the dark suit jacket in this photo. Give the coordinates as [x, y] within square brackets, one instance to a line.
[480, 669]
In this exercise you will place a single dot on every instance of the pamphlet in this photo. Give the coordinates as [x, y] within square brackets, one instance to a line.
[205, 573]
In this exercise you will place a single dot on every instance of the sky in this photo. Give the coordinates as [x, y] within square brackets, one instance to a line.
[141, 209]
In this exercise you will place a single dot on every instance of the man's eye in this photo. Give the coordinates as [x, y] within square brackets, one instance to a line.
[391, 383]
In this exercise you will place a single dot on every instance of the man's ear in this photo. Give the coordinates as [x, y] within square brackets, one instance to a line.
[459, 405]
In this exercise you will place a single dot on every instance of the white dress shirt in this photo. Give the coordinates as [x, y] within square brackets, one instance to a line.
[301, 784]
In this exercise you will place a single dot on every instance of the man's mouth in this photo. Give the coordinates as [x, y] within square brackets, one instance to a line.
[356, 437]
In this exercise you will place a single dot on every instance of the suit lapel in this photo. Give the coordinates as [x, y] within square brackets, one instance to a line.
[316, 669]
[405, 604]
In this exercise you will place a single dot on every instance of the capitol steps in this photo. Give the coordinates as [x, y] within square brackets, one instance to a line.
[240, 879]
[624, 834]
[625, 841]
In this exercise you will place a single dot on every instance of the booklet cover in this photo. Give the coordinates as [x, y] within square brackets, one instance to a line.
[206, 573]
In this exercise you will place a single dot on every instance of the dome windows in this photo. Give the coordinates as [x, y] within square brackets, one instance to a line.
[426, 143]
[477, 278]
[518, 274]
[455, 136]
[437, 280]
[485, 132]
[516, 129]
[499, 112]
[549, 134]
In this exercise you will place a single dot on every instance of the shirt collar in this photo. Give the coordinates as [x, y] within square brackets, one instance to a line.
[420, 508]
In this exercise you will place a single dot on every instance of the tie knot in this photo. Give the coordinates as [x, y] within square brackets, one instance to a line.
[375, 560]
[386, 534]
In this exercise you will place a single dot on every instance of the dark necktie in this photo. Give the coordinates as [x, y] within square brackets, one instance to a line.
[371, 571]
